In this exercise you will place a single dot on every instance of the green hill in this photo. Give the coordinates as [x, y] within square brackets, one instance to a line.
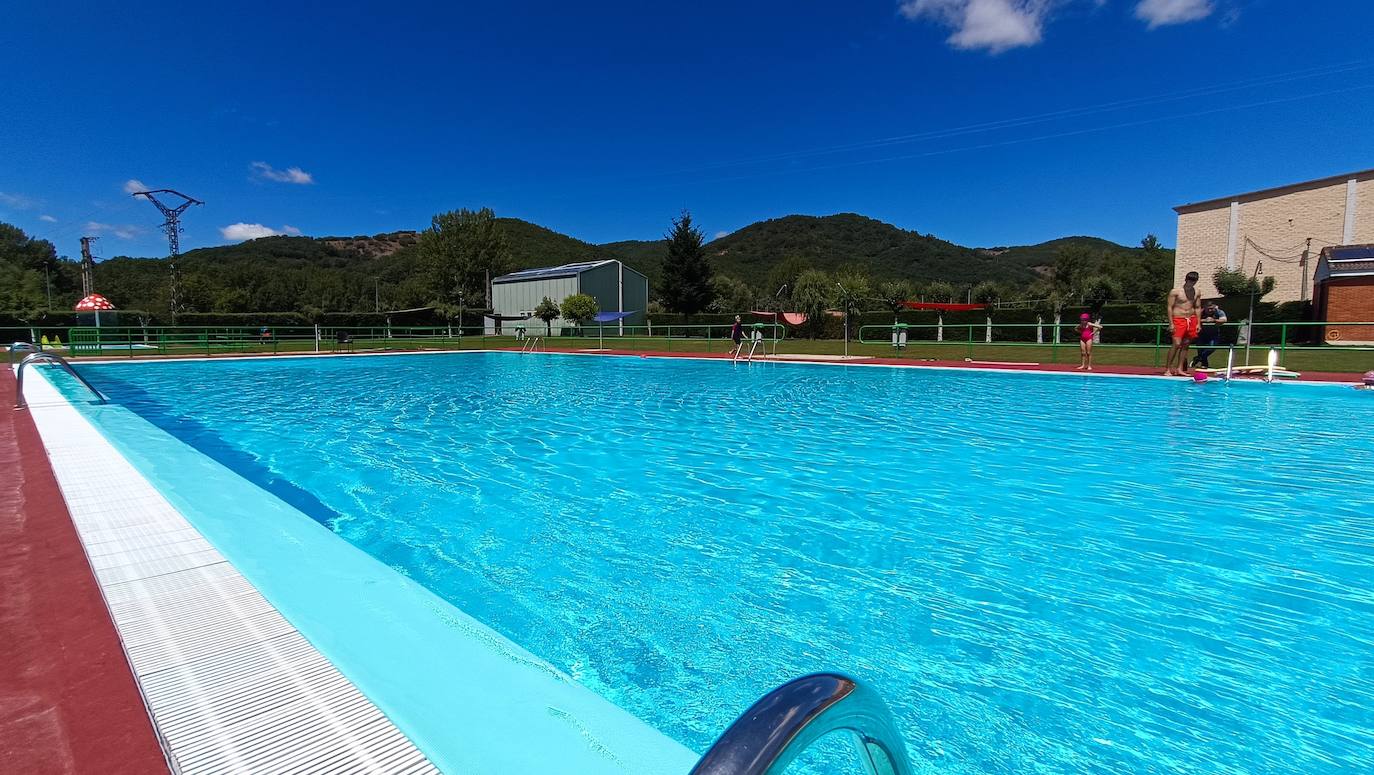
[363, 272]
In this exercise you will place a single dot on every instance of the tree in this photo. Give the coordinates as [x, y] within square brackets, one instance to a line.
[547, 311]
[940, 292]
[1072, 266]
[448, 312]
[811, 295]
[579, 308]
[782, 279]
[894, 294]
[1150, 243]
[1235, 282]
[1098, 290]
[686, 283]
[28, 252]
[460, 251]
[730, 295]
[989, 294]
[851, 289]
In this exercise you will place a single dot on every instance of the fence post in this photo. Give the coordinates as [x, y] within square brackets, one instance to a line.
[970, 341]
[1159, 329]
[1283, 341]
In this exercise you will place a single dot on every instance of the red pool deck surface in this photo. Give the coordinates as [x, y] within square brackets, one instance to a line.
[68, 701]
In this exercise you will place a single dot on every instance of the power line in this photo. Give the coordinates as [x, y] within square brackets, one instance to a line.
[1052, 136]
[1078, 112]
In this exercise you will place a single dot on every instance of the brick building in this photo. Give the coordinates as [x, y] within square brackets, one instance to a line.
[1282, 229]
[1344, 293]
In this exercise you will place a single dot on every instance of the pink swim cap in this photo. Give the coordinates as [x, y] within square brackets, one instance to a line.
[1085, 316]
[1369, 378]
[1199, 377]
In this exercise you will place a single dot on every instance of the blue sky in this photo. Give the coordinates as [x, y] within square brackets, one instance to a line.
[985, 122]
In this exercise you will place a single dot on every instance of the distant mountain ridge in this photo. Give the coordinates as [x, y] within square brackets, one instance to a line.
[364, 272]
[824, 242]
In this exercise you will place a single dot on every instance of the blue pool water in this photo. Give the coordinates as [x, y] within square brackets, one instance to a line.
[1040, 573]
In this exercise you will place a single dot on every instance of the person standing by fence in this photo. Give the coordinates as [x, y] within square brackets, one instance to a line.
[1209, 335]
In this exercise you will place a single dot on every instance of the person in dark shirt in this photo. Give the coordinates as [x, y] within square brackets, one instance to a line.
[1209, 333]
[737, 337]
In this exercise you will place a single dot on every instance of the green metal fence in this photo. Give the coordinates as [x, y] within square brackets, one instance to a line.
[1301, 345]
[136, 341]
[1060, 342]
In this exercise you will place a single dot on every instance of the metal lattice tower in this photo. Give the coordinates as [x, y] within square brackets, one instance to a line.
[87, 267]
[172, 228]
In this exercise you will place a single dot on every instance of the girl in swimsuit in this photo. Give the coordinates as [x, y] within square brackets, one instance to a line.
[1087, 327]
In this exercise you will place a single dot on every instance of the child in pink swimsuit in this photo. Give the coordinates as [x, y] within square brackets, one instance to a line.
[1087, 327]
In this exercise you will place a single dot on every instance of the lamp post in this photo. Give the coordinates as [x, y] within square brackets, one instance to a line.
[844, 302]
[1250, 319]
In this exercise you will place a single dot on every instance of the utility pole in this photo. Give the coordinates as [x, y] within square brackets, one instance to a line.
[377, 293]
[87, 267]
[1302, 296]
[172, 228]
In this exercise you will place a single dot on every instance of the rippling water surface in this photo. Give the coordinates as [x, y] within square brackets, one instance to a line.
[1040, 573]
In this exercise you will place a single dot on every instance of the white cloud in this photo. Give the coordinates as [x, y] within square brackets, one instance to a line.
[120, 230]
[47, 218]
[295, 175]
[134, 185]
[238, 232]
[15, 201]
[991, 25]
[1158, 13]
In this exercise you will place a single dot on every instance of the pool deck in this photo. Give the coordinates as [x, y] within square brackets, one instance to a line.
[1351, 378]
[68, 700]
[229, 683]
[859, 360]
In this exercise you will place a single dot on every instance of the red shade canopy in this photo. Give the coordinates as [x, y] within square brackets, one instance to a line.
[943, 307]
[93, 303]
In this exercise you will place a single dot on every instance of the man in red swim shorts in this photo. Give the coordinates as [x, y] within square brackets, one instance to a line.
[1185, 314]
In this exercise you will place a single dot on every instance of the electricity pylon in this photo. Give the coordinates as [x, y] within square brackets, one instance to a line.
[87, 267]
[172, 228]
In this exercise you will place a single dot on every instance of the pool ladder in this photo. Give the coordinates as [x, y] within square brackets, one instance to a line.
[754, 342]
[776, 729]
[40, 357]
[533, 344]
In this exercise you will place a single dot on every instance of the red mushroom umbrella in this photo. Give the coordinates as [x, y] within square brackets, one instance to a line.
[94, 303]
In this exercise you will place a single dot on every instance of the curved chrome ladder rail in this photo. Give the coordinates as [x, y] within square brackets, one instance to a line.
[777, 728]
[22, 347]
[19, 402]
[532, 345]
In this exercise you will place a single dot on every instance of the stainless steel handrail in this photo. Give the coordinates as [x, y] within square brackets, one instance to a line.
[19, 402]
[21, 347]
[777, 728]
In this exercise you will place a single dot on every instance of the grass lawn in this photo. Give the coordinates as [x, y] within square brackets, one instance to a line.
[1324, 358]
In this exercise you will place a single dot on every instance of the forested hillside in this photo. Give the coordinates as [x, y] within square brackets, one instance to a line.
[364, 273]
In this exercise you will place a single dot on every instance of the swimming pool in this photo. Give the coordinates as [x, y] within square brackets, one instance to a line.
[1040, 573]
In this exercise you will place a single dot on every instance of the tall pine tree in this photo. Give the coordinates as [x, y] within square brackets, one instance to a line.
[686, 284]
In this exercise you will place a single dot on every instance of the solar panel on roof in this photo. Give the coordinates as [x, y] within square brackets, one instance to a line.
[548, 272]
[1352, 252]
